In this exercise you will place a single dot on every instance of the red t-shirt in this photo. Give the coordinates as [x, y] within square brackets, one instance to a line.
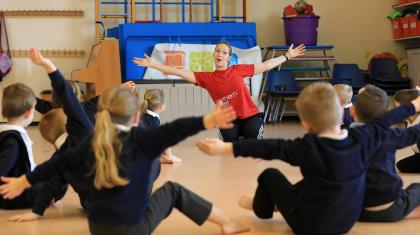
[229, 86]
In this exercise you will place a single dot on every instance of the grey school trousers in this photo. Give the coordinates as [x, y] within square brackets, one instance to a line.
[163, 200]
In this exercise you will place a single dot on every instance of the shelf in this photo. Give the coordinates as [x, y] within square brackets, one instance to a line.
[407, 38]
[399, 6]
[305, 69]
[43, 13]
[313, 48]
[114, 16]
[312, 58]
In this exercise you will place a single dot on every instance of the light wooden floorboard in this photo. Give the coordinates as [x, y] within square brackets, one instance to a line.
[219, 179]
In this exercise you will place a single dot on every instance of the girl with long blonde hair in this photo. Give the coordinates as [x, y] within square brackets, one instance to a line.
[117, 161]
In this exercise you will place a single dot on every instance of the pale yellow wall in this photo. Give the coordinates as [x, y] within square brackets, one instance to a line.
[354, 27]
[47, 33]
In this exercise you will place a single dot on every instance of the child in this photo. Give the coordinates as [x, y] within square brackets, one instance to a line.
[345, 92]
[385, 199]
[64, 128]
[227, 84]
[117, 162]
[53, 127]
[409, 164]
[333, 162]
[152, 105]
[18, 106]
[89, 105]
[18, 102]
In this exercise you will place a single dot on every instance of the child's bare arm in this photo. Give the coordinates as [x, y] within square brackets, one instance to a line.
[275, 62]
[215, 147]
[38, 59]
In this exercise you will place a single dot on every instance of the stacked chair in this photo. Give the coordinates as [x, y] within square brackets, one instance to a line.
[349, 74]
[280, 85]
[384, 73]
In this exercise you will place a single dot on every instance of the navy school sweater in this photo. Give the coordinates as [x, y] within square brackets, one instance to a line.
[77, 127]
[347, 119]
[127, 204]
[14, 162]
[383, 185]
[90, 107]
[329, 197]
[149, 121]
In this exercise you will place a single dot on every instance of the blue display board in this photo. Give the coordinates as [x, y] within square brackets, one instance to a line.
[139, 38]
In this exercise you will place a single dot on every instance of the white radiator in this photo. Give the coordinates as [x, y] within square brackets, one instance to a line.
[414, 66]
[182, 100]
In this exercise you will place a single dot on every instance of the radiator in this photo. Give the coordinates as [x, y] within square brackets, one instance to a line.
[414, 66]
[182, 100]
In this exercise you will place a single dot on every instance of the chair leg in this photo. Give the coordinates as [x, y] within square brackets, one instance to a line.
[267, 108]
[278, 105]
[283, 107]
[272, 110]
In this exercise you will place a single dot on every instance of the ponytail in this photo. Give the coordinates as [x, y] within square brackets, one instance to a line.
[153, 99]
[116, 106]
[144, 106]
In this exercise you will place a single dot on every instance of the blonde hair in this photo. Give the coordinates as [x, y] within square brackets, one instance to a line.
[153, 99]
[57, 103]
[318, 105]
[344, 92]
[116, 106]
[52, 125]
[16, 100]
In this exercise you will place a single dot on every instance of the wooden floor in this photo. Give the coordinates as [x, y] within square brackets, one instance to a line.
[219, 179]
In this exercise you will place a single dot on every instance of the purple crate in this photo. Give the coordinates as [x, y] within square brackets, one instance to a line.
[301, 30]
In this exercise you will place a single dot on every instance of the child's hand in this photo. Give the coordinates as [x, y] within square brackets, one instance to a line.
[220, 117]
[215, 147]
[13, 187]
[28, 216]
[144, 62]
[38, 59]
[298, 51]
[130, 85]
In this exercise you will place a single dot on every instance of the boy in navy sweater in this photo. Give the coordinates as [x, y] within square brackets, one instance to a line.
[16, 157]
[410, 164]
[18, 102]
[333, 162]
[64, 128]
[385, 199]
[116, 161]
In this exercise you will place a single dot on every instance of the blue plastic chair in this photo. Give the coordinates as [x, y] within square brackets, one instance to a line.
[280, 84]
[349, 74]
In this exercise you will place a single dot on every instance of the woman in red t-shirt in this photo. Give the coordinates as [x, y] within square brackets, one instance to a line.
[227, 84]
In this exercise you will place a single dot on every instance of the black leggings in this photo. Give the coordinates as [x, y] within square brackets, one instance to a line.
[409, 164]
[248, 128]
[274, 190]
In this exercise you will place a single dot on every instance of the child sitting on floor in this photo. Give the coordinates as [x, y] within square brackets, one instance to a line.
[333, 162]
